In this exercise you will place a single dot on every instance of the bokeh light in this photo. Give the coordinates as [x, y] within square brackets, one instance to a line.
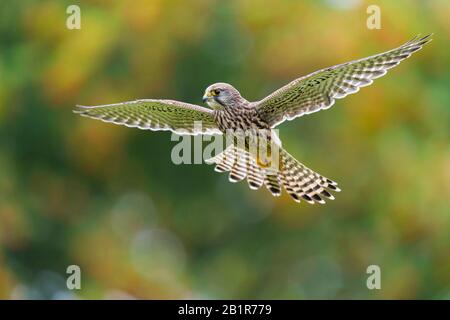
[74, 191]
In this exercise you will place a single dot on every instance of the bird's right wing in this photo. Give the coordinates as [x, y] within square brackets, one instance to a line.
[318, 90]
[176, 116]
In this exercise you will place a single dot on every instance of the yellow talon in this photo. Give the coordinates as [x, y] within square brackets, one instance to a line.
[262, 163]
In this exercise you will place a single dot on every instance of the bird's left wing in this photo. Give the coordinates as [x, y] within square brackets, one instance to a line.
[318, 90]
[176, 116]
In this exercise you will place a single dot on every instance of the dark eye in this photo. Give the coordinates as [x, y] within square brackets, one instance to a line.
[216, 92]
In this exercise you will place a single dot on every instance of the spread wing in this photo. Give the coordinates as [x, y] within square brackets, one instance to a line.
[319, 90]
[179, 117]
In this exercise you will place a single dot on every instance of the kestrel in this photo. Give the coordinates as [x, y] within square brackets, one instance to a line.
[230, 111]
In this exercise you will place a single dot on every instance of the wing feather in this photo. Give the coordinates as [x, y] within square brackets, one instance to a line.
[319, 89]
[150, 114]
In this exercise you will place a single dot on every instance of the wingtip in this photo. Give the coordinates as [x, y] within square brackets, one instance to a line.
[426, 38]
[418, 39]
[79, 108]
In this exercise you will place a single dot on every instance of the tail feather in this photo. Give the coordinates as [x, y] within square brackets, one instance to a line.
[304, 183]
[224, 162]
[239, 170]
[300, 182]
[255, 176]
[272, 184]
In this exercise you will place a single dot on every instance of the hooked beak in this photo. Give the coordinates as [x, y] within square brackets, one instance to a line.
[206, 97]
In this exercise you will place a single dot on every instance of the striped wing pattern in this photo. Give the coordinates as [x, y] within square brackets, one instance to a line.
[319, 90]
[179, 117]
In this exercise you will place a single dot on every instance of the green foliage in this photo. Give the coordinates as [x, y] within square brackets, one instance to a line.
[109, 199]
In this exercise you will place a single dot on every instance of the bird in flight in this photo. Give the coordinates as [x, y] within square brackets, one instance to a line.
[230, 111]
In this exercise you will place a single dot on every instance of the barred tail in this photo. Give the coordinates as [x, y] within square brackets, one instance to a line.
[300, 182]
[303, 183]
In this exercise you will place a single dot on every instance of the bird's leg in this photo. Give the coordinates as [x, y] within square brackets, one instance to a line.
[264, 155]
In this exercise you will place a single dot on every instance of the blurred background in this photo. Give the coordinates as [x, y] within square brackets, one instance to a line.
[74, 191]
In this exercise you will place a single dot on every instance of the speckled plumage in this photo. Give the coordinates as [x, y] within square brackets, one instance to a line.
[231, 111]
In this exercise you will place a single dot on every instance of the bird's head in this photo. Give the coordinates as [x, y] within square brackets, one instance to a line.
[222, 95]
